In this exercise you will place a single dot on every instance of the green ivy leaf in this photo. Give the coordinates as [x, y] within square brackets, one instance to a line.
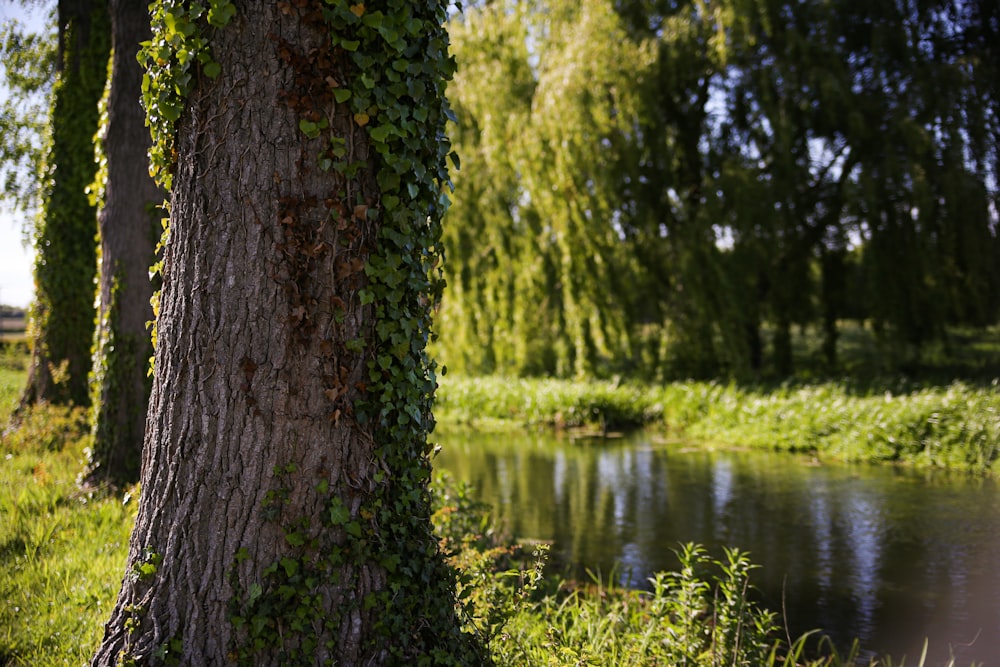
[212, 69]
[220, 13]
[309, 128]
[339, 515]
[290, 565]
[381, 132]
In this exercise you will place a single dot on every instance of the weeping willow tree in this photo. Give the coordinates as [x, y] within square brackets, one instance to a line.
[537, 267]
[676, 209]
[672, 187]
[582, 130]
[922, 201]
[492, 264]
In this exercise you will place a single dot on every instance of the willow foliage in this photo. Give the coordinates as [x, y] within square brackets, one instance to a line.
[536, 264]
[669, 188]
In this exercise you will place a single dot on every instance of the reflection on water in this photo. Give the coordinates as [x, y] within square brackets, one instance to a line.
[883, 555]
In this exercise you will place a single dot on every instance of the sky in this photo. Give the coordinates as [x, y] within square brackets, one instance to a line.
[16, 260]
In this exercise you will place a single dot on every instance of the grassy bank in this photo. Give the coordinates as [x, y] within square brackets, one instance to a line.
[956, 425]
[62, 555]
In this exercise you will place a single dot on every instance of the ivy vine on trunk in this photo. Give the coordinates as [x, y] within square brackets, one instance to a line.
[285, 512]
[63, 312]
[120, 380]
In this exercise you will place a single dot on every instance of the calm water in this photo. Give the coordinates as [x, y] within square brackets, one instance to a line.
[884, 555]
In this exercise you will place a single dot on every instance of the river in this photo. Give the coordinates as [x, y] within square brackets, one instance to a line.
[886, 555]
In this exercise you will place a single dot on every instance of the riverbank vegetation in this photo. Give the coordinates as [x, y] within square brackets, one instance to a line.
[62, 552]
[944, 412]
[956, 425]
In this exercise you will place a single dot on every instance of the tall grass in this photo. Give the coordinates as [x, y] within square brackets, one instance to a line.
[538, 402]
[701, 615]
[13, 363]
[956, 425]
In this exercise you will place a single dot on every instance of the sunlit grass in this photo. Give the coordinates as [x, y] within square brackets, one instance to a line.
[956, 425]
[13, 364]
[62, 554]
[544, 402]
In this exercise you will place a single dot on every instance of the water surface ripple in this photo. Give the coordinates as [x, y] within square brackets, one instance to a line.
[885, 555]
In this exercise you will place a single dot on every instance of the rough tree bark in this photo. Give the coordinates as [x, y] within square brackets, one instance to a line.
[127, 226]
[63, 312]
[267, 507]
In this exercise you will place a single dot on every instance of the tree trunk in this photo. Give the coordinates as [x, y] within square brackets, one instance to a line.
[782, 347]
[63, 312]
[119, 382]
[280, 521]
[833, 295]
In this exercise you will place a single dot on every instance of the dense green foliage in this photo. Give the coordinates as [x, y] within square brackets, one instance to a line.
[66, 261]
[115, 405]
[28, 60]
[399, 63]
[714, 172]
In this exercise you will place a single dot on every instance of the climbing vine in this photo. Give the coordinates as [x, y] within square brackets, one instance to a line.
[385, 67]
[383, 71]
[175, 57]
[398, 52]
[63, 311]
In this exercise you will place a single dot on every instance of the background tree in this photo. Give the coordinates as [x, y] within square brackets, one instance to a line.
[496, 308]
[581, 127]
[921, 202]
[285, 516]
[729, 173]
[63, 311]
[127, 230]
[29, 63]
[673, 206]
[535, 259]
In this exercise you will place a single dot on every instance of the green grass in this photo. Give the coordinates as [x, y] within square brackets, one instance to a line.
[13, 366]
[941, 408]
[956, 425]
[969, 354]
[534, 402]
[953, 426]
[62, 554]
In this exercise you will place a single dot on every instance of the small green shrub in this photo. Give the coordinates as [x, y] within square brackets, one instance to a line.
[46, 428]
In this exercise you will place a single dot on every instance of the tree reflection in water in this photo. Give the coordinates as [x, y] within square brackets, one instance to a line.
[885, 555]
